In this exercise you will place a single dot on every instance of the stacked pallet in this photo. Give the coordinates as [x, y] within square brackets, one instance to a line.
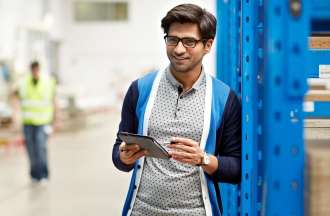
[318, 177]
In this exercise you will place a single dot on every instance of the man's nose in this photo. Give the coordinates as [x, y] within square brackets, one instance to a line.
[179, 49]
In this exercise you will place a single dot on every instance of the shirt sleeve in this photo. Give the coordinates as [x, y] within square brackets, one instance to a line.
[229, 138]
[128, 123]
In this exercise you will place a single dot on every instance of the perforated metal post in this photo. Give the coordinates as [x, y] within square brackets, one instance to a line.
[222, 60]
[286, 33]
[228, 70]
[252, 77]
[228, 43]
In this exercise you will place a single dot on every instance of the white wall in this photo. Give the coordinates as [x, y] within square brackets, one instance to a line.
[13, 15]
[25, 33]
[95, 56]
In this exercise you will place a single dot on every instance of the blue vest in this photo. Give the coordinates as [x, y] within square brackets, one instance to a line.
[215, 100]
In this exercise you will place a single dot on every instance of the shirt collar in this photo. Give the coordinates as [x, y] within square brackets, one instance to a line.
[177, 84]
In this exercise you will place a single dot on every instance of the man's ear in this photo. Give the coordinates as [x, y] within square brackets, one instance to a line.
[208, 45]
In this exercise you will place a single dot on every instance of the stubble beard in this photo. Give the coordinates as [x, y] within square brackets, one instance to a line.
[183, 69]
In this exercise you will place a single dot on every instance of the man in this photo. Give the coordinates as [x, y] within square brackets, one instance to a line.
[201, 117]
[37, 99]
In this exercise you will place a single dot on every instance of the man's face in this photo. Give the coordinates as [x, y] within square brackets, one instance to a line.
[35, 72]
[183, 59]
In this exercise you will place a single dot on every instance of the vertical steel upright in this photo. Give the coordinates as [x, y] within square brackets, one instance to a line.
[274, 71]
[286, 33]
[228, 70]
[222, 58]
[228, 47]
[252, 87]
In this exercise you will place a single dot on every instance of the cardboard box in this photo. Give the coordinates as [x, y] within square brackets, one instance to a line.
[319, 42]
[318, 178]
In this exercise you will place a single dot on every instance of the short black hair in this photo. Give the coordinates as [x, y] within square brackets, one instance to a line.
[191, 13]
[34, 64]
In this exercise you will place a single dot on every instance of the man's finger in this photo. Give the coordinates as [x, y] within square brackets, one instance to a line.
[129, 154]
[122, 146]
[182, 147]
[176, 154]
[184, 141]
[139, 154]
[130, 147]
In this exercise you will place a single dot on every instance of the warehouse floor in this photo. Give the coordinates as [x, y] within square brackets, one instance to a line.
[83, 180]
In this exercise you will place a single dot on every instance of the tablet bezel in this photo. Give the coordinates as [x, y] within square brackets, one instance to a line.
[126, 136]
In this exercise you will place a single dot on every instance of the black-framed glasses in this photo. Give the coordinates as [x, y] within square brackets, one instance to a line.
[187, 42]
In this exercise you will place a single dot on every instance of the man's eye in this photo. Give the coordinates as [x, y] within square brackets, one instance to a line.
[172, 40]
[189, 41]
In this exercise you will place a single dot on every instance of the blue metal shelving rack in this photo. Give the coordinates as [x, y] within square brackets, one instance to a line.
[320, 26]
[269, 63]
[252, 104]
[238, 64]
[284, 88]
[228, 39]
[228, 70]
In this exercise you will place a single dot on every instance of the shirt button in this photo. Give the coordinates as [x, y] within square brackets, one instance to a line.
[139, 166]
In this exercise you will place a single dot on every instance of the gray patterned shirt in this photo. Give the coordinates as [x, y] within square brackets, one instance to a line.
[170, 187]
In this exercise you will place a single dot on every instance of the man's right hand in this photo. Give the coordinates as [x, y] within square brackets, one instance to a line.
[130, 153]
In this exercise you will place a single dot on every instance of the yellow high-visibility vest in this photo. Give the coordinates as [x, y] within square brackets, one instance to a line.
[37, 101]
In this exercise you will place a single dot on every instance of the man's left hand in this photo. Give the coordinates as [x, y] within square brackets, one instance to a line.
[186, 150]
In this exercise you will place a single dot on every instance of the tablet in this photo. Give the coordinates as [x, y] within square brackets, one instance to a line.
[145, 142]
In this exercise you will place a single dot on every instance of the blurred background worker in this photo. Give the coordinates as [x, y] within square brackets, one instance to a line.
[37, 99]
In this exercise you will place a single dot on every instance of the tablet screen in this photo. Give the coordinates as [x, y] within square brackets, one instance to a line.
[145, 142]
